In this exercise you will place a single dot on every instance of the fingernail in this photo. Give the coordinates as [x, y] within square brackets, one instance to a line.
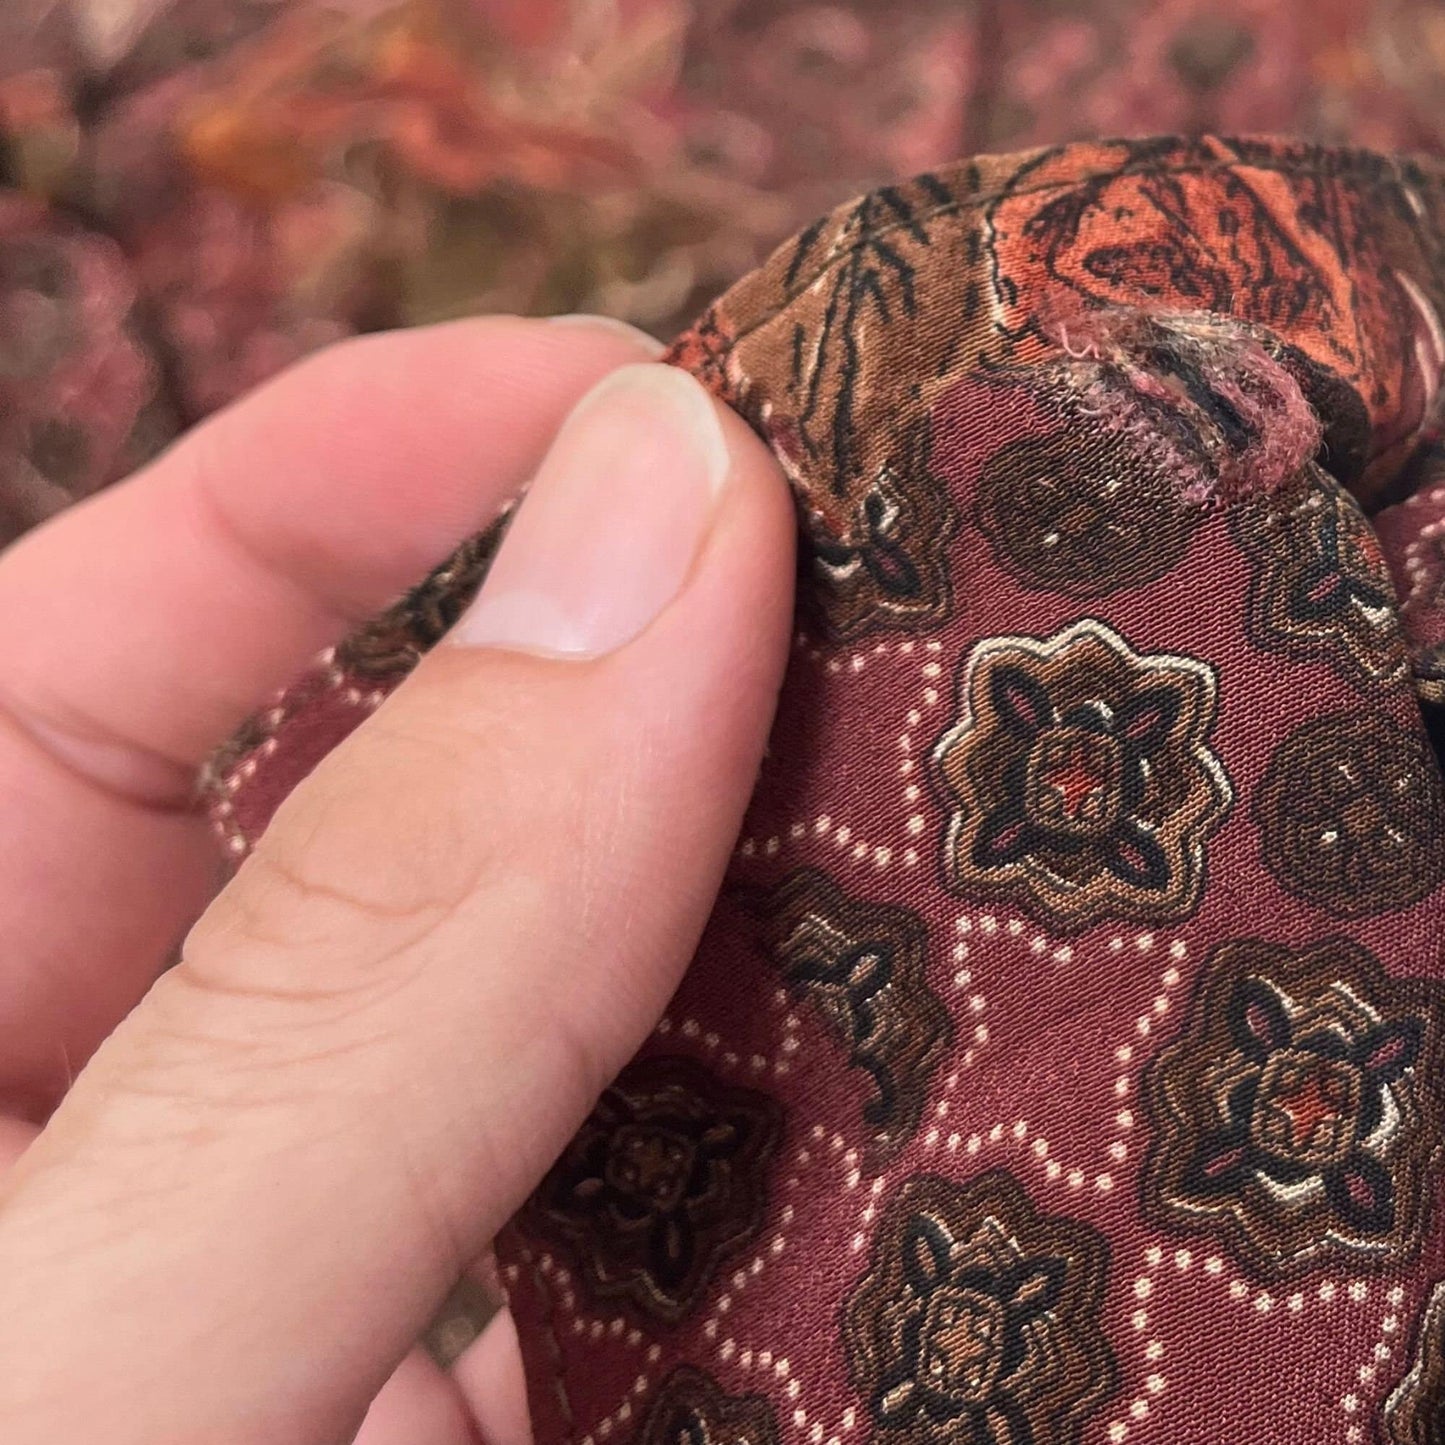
[584, 321]
[612, 524]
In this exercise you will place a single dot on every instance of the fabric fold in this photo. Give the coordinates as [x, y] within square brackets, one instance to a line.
[1065, 1059]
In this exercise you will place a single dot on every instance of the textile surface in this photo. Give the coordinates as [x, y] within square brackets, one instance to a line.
[219, 187]
[1065, 1058]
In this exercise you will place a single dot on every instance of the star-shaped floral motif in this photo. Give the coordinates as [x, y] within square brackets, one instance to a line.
[1301, 1114]
[977, 1322]
[1080, 777]
[664, 1180]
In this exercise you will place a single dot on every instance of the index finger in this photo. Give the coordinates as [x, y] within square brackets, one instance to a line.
[138, 629]
[450, 938]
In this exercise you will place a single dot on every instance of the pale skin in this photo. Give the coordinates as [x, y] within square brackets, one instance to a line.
[237, 1192]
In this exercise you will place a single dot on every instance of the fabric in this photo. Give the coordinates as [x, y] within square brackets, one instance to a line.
[1065, 1058]
[249, 180]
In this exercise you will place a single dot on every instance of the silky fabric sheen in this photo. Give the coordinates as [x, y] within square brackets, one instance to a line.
[1065, 1058]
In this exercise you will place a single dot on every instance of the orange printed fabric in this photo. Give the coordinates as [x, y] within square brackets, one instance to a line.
[1065, 1059]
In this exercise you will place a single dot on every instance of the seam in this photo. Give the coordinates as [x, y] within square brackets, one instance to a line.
[1352, 165]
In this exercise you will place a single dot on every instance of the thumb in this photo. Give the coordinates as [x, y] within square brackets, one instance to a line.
[453, 935]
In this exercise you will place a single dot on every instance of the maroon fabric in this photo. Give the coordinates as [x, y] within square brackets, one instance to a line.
[1065, 1058]
[277, 175]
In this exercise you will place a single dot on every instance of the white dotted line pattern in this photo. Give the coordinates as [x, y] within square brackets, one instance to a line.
[856, 662]
[932, 672]
[622, 1414]
[963, 982]
[1328, 1293]
[1421, 557]
[824, 825]
[990, 924]
[693, 1031]
[765, 1362]
[557, 1281]
[1154, 1382]
[1380, 1353]
[1017, 1135]
[1014, 1135]
[1144, 1025]
[509, 1277]
[841, 834]
[820, 1146]
[222, 809]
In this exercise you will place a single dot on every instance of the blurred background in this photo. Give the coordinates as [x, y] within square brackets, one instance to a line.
[193, 193]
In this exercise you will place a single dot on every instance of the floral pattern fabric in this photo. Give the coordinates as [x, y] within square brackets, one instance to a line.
[864, 966]
[1087, 525]
[1349, 814]
[690, 1409]
[1302, 1112]
[666, 1179]
[1081, 776]
[1064, 1062]
[1320, 588]
[1415, 1412]
[977, 1322]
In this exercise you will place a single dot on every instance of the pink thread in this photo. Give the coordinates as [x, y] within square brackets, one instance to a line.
[1200, 392]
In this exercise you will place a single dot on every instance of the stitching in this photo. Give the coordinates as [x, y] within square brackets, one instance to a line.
[1353, 165]
[221, 775]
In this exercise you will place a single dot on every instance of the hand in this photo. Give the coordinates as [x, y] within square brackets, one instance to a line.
[257, 1176]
